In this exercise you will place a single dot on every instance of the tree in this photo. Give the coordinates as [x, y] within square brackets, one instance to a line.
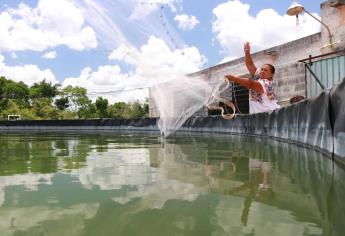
[18, 92]
[36, 103]
[76, 96]
[62, 103]
[3, 82]
[13, 108]
[3, 99]
[42, 108]
[117, 110]
[43, 89]
[87, 110]
[146, 107]
[129, 110]
[136, 110]
[102, 106]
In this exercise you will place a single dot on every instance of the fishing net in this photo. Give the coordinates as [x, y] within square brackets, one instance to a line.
[175, 96]
[179, 99]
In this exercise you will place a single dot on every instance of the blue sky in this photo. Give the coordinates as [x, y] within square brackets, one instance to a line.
[112, 46]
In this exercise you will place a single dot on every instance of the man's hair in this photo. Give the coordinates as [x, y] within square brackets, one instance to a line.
[273, 70]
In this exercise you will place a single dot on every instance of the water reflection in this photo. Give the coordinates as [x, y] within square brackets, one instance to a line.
[135, 184]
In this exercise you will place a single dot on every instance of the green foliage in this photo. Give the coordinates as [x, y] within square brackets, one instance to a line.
[102, 106]
[146, 108]
[129, 110]
[62, 103]
[43, 109]
[26, 114]
[36, 102]
[3, 81]
[76, 96]
[13, 109]
[87, 110]
[18, 92]
[135, 110]
[43, 90]
[117, 110]
[68, 115]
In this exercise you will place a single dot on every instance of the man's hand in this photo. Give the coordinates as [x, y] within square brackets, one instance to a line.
[246, 47]
[249, 62]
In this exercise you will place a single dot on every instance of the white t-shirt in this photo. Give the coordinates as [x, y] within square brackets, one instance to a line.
[264, 102]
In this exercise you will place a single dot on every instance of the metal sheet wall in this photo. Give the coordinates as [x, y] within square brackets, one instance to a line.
[329, 72]
[337, 116]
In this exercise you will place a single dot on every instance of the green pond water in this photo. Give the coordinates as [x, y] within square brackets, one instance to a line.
[137, 184]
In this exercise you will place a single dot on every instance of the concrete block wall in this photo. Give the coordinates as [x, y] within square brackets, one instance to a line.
[289, 81]
[333, 15]
[289, 78]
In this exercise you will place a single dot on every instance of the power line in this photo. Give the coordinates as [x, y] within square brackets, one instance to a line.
[117, 91]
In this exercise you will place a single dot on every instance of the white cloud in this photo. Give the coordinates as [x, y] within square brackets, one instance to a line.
[155, 58]
[50, 55]
[29, 181]
[104, 76]
[233, 25]
[50, 24]
[153, 63]
[186, 22]
[29, 74]
[130, 167]
[109, 82]
[27, 218]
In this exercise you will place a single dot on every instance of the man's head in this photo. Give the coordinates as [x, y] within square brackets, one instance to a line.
[267, 71]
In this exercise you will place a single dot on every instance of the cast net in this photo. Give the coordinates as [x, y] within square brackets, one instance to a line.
[175, 96]
[179, 99]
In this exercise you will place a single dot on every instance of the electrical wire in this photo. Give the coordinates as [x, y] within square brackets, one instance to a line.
[116, 91]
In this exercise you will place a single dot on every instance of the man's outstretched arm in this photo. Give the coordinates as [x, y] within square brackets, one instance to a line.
[249, 61]
[248, 83]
